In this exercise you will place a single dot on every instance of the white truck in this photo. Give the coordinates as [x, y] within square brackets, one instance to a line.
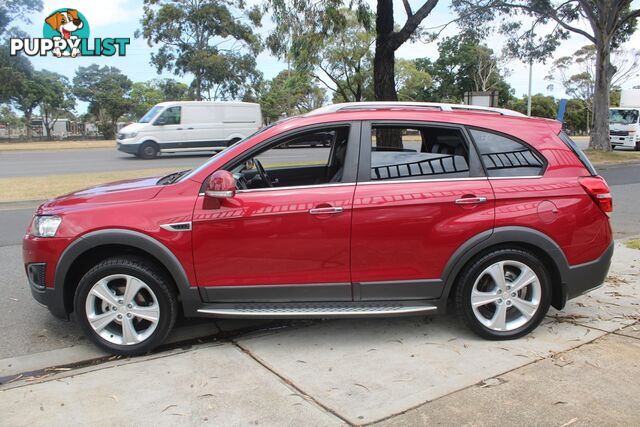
[187, 126]
[624, 121]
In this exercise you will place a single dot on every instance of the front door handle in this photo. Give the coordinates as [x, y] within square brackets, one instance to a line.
[325, 211]
[470, 200]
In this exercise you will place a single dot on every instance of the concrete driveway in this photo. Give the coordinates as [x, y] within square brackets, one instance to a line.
[401, 371]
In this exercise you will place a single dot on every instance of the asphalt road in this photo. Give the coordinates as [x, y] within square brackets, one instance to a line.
[29, 328]
[41, 163]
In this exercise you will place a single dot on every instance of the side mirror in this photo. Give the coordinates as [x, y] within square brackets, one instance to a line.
[221, 185]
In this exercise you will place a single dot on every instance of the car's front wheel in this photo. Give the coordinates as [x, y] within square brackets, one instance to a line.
[504, 294]
[126, 305]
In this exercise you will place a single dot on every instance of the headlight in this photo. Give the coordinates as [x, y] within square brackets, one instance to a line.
[45, 226]
[130, 135]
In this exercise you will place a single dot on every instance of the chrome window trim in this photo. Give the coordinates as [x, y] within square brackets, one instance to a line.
[415, 181]
[296, 187]
[516, 177]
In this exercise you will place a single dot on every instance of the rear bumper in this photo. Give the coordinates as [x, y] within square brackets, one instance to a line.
[582, 278]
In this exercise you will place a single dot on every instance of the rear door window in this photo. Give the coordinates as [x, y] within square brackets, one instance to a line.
[503, 156]
[402, 152]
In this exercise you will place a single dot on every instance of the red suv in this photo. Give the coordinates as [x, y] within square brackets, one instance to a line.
[409, 207]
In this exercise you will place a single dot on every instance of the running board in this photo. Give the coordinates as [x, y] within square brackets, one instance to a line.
[308, 310]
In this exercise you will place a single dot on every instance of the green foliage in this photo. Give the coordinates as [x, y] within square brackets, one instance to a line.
[57, 98]
[463, 65]
[106, 90]
[342, 59]
[288, 94]
[145, 95]
[541, 106]
[301, 26]
[8, 116]
[214, 40]
[411, 83]
[577, 117]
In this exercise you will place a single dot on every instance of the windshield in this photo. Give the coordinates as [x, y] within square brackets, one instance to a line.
[624, 117]
[150, 114]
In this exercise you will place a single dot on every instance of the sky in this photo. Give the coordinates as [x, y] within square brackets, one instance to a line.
[121, 18]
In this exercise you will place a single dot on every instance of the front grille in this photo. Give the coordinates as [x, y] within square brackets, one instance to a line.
[36, 273]
[121, 136]
[619, 133]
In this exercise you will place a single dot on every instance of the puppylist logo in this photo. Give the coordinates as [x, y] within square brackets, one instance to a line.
[65, 33]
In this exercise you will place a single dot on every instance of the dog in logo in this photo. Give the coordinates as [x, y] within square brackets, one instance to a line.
[65, 23]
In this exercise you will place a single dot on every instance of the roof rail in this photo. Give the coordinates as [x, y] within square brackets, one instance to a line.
[389, 105]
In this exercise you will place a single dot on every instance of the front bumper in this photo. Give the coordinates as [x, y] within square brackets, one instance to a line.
[585, 277]
[128, 148]
[624, 141]
[44, 253]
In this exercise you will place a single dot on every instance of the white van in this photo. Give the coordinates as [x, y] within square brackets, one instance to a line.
[172, 127]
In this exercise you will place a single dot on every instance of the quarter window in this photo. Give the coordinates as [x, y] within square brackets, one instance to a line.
[504, 156]
[399, 153]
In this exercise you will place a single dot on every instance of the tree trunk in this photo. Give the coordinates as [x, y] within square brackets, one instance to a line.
[384, 81]
[27, 119]
[600, 139]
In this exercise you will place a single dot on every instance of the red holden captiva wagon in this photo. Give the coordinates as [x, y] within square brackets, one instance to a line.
[362, 209]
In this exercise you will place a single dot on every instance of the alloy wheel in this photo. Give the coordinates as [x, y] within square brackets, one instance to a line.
[122, 309]
[506, 295]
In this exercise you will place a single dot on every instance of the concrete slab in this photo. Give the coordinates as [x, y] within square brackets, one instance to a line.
[632, 331]
[186, 330]
[216, 384]
[367, 369]
[596, 384]
[610, 308]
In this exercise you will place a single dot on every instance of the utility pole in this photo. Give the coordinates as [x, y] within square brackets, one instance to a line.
[530, 81]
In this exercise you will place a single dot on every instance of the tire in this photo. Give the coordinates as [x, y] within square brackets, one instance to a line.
[101, 295]
[637, 147]
[148, 150]
[522, 312]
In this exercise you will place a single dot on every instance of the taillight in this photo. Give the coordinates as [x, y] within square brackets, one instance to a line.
[597, 188]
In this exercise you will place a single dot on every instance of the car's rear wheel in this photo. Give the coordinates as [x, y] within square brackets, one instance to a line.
[504, 294]
[148, 150]
[126, 305]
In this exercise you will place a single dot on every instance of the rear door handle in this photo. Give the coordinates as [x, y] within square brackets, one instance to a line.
[470, 200]
[325, 211]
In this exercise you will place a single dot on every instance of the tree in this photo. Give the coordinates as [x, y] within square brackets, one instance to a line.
[299, 24]
[145, 95]
[411, 82]
[346, 59]
[211, 39]
[173, 90]
[541, 106]
[106, 90]
[288, 94]
[609, 23]
[576, 117]
[57, 100]
[464, 65]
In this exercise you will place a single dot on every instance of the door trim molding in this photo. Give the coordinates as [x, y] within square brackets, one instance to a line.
[312, 292]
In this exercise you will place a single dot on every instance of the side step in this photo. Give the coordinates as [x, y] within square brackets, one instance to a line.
[320, 309]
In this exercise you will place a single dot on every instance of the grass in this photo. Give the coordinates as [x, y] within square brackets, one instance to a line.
[55, 145]
[45, 187]
[633, 244]
[598, 157]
